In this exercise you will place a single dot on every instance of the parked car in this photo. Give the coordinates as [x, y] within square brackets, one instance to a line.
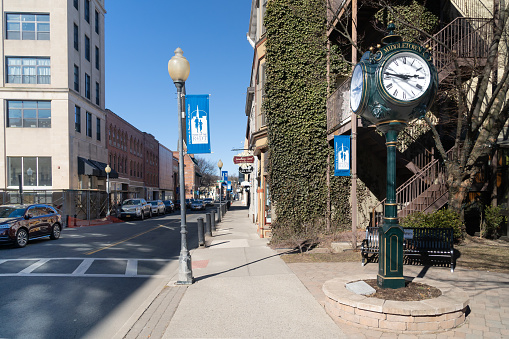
[177, 204]
[169, 206]
[135, 208]
[21, 223]
[208, 202]
[157, 207]
[189, 202]
[197, 205]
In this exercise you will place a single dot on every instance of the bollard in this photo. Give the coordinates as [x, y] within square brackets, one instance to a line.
[201, 237]
[208, 226]
[219, 214]
[213, 219]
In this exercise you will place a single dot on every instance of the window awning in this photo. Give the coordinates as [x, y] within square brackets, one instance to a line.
[94, 168]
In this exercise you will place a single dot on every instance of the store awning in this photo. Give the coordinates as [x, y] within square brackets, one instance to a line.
[94, 168]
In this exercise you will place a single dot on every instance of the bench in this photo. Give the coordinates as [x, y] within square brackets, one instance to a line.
[418, 243]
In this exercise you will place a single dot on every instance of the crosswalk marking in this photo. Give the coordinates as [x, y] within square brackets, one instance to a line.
[34, 266]
[83, 267]
[131, 269]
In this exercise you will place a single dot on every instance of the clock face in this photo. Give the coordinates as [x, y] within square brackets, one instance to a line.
[405, 76]
[356, 87]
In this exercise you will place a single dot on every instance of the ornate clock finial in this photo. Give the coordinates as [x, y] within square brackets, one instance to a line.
[391, 37]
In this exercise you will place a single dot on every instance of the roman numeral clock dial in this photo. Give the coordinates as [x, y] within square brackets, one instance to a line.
[405, 77]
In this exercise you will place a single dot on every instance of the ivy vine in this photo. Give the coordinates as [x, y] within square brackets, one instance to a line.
[295, 106]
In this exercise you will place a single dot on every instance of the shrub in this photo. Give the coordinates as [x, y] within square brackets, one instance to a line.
[439, 219]
[493, 219]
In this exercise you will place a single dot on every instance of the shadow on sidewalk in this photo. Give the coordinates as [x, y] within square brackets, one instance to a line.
[244, 265]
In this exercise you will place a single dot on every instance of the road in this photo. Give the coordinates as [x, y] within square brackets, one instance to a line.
[91, 280]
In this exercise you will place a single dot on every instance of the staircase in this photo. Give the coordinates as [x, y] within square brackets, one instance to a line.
[424, 192]
[468, 38]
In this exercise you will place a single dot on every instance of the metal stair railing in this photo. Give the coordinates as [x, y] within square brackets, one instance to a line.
[432, 176]
[462, 39]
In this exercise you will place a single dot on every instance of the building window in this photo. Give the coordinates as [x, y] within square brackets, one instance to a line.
[97, 55]
[87, 10]
[97, 22]
[35, 171]
[89, 124]
[30, 114]
[27, 26]
[98, 126]
[76, 78]
[28, 70]
[87, 86]
[97, 94]
[76, 37]
[87, 48]
[76, 5]
[77, 119]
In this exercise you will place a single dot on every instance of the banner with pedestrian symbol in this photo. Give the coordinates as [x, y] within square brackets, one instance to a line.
[197, 124]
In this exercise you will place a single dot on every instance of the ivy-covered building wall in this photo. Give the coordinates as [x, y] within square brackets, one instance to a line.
[295, 107]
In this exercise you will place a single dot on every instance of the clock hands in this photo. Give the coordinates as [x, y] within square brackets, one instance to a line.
[403, 76]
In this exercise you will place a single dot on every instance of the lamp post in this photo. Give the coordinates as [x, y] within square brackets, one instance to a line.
[30, 172]
[178, 68]
[107, 170]
[220, 165]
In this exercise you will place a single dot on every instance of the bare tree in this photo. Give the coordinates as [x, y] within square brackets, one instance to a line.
[208, 171]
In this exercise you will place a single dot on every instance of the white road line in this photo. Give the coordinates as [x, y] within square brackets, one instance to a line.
[132, 267]
[32, 267]
[83, 267]
[83, 275]
[130, 272]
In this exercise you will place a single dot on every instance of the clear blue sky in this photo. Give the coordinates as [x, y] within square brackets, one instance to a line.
[140, 39]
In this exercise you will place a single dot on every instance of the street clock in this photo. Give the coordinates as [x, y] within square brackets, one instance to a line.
[396, 83]
[390, 87]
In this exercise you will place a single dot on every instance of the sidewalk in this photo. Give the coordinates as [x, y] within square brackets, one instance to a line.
[243, 289]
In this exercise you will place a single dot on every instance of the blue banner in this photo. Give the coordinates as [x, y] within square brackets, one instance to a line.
[342, 155]
[225, 176]
[197, 124]
[229, 187]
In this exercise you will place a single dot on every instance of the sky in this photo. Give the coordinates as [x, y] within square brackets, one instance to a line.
[141, 39]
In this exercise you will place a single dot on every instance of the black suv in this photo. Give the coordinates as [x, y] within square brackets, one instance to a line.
[20, 223]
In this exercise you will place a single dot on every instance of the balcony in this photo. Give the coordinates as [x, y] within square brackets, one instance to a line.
[338, 107]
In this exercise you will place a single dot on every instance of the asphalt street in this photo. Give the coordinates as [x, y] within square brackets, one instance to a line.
[90, 280]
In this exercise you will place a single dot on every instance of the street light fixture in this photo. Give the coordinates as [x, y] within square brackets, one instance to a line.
[178, 68]
[107, 170]
[30, 171]
[220, 165]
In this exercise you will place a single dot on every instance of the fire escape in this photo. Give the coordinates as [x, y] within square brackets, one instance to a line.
[422, 186]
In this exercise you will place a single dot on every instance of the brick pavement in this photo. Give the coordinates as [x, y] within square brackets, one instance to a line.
[488, 292]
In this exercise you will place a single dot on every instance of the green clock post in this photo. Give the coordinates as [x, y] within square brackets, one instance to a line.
[390, 87]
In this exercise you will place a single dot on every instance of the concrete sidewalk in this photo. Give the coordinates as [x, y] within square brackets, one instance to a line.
[244, 290]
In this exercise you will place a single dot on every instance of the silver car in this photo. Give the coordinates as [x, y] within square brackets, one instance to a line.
[135, 208]
[158, 207]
